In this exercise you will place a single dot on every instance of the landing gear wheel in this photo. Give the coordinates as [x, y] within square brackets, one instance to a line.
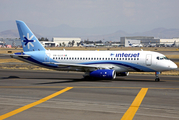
[87, 77]
[157, 79]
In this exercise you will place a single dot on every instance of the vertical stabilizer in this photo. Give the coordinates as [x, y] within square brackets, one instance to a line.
[28, 39]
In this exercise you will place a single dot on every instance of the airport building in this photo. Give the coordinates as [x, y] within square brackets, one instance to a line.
[143, 40]
[149, 41]
[66, 41]
[170, 41]
[14, 42]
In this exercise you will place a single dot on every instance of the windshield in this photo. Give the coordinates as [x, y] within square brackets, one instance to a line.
[162, 58]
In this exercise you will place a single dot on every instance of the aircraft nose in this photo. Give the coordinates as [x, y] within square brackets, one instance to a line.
[173, 66]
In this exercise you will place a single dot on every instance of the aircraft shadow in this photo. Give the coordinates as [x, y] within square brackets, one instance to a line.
[70, 80]
[134, 80]
[10, 77]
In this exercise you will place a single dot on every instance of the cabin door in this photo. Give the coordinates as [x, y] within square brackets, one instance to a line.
[148, 60]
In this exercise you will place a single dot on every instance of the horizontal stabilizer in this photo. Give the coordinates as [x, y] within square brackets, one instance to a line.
[24, 56]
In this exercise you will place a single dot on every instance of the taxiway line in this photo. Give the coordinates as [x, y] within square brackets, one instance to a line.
[33, 104]
[135, 105]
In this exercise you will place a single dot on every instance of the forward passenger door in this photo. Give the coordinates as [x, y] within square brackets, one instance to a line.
[148, 60]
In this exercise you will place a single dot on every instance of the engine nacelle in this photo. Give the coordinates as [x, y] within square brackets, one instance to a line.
[103, 73]
[122, 73]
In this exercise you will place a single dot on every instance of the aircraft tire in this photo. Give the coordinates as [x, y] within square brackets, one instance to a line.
[157, 79]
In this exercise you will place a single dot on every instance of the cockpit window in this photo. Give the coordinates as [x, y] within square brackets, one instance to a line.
[162, 58]
[166, 58]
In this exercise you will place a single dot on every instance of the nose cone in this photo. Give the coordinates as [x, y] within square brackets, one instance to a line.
[173, 66]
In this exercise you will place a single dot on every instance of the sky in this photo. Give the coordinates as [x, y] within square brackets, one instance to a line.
[128, 15]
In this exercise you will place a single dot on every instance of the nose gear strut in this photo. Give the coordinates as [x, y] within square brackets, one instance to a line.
[157, 79]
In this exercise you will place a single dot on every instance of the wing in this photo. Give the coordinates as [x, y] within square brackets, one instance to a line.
[79, 66]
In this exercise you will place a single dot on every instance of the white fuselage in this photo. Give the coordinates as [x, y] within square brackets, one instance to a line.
[85, 61]
[120, 61]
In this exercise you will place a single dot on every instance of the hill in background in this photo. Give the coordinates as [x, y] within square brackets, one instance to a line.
[9, 30]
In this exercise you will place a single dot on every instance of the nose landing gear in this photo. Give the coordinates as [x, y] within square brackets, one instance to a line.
[157, 79]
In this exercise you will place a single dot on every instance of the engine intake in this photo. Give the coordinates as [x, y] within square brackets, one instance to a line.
[104, 73]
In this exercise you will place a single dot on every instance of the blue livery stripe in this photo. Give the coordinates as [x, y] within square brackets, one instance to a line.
[136, 67]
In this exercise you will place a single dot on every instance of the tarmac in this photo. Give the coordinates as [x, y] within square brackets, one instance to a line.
[54, 95]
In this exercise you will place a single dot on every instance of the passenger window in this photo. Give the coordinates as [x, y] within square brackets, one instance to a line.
[94, 58]
[59, 58]
[67, 58]
[137, 58]
[80, 58]
[134, 58]
[125, 58]
[108, 58]
[131, 58]
[70, 58]
[91, 58]
[122, 58]
[128, 58]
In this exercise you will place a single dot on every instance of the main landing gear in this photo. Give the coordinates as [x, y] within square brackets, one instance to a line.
[157, 79]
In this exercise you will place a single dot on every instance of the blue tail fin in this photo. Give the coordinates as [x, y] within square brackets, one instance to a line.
[28, 39]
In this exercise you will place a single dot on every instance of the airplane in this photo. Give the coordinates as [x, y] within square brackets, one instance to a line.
[170, 45]
[134, 45]
[95, 64]
[88, 45]
[151, 45]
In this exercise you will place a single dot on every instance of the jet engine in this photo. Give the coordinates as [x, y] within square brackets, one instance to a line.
[122, 73]
[103, 74]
